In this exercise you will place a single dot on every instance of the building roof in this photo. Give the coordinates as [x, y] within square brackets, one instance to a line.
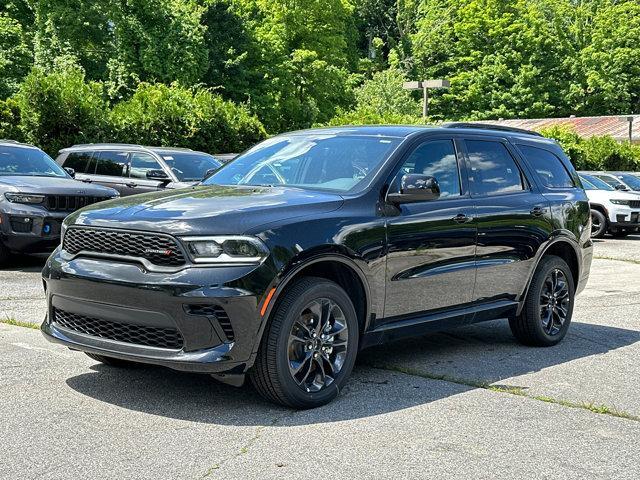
[616, 126]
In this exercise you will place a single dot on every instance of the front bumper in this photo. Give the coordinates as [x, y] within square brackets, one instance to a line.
[30, 229]
[624, 217]
[109, 296]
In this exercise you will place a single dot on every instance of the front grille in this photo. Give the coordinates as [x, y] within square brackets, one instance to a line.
[70, 203]
[21, 224]
[220, 315]
[634, 203]
[158, 249]
[122, 332]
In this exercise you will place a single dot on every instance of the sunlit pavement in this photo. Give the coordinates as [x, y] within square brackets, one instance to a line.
[470, 402]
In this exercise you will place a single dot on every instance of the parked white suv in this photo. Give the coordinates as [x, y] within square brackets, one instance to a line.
[613, 211]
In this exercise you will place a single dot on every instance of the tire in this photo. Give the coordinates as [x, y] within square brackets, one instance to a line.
[530, 327]
[599, 224]
[287, 338]
[110, 361]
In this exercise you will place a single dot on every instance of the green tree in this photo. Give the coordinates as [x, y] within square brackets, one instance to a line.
[15, 55]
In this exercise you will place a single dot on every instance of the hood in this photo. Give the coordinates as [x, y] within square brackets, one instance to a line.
[206, 210]
[606, 195]
[53, 186]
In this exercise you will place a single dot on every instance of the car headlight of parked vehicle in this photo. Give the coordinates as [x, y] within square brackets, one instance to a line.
[237, 250]
[620, 202]
[24, 198]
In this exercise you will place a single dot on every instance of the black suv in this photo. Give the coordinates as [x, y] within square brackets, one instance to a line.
[133, 169]
[35, 196]
[313, 245]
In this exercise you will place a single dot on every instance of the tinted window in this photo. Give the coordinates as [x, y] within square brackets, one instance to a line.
[611, 181]
[548, 166]
[313, 160]
[631, 180]
[31, 162]
[79, 161]
[493, 169]
[141, 163]
[190, 166]
[436, 159]
[113, 163]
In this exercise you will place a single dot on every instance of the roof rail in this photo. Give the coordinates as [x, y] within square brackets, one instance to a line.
[81, 145]
[6, 140]
[179, 149]
[490, 126]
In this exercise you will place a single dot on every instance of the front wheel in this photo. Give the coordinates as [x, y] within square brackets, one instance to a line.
[598, 224]
[548, 308]
[309, 347]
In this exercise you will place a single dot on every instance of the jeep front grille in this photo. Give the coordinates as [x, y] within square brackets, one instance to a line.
[122, 332]
[159, 249]
[70, 203]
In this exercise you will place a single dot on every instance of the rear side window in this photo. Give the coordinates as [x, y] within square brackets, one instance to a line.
[548, 167]
[493, 171]
[112, 163]
[79, 161]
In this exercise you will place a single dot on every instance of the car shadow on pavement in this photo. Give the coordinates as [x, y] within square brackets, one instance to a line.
[483, 353]
[25, 263]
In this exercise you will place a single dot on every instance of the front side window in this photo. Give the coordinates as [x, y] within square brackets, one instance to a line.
[141, 163]
[28, 162]
[493, 171]
[548, 166]
[611, 181]
[112, 163]
[323, 161]
[190, 166]
[437, 159]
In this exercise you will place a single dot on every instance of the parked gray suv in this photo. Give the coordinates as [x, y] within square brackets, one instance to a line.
[35, 196]
[132, 169]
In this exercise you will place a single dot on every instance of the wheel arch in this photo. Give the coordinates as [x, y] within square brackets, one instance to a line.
[562, 247]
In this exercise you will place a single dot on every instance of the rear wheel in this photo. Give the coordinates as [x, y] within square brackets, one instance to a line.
[309, 347]
[598, 224]
[112, 362]
[548, 308]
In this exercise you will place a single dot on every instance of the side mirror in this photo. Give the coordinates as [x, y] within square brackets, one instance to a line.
[620, 187]
[157, 175]
[416, 188]
[210, 172]
[70, 171]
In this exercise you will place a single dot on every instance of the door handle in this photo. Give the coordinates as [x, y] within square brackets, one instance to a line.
[86, 180]
[462, 218]
[537, 211]
[131, 185]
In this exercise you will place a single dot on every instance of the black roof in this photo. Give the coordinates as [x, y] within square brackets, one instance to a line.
[402, 131]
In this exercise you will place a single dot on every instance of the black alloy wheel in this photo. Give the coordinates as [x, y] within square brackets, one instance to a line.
[309, 346]
[554, 302]
[598, 224]
[318, 345]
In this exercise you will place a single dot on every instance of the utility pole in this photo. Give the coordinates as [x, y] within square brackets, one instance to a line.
[630, 119]
[425, 85]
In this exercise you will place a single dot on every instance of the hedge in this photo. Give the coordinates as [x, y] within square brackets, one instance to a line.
[59, 109]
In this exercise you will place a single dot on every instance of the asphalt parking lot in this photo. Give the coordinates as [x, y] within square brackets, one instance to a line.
[470, 402]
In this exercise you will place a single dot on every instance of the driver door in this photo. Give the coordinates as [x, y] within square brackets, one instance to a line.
[431, 245]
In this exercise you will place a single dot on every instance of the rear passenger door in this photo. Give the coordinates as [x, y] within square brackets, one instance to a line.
[513, 218]
[110, 168]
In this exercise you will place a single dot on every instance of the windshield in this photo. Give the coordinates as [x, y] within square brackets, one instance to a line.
[318, 161]
[631, 180]
[190, 166]
[594, 183]
[28, 161]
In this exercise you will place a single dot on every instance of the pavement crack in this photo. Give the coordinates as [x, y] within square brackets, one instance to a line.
[245, 448]
[599, 409]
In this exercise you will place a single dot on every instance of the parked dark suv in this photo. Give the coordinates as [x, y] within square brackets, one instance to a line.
[132, 169]
[315, 244]
[35, 196]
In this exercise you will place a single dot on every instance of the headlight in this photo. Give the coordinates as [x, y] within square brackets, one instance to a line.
[24, 198]
[235, 250]
[620, 202]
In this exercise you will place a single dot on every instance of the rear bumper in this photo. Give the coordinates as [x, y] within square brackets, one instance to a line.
[108, 297]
